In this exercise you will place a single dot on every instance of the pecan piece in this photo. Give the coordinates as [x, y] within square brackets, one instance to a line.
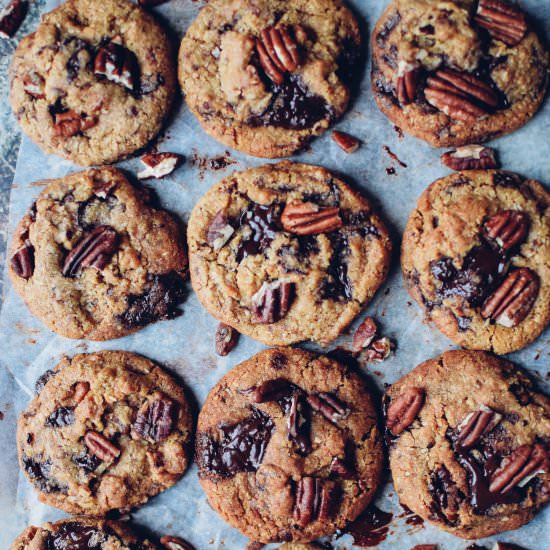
[312, 501]
[298, 423]
[407, 82]
[329, 406]
[272, 302]
[101, 447]
[157, 420]
[219, 231]
[346, 142]
[270, 390]
[379, 350]
[33, 84]
[513, 299]
[519, 468]
[158, 165]
[502, 20]
[22, 262]
[70, 123]
[12, 16]
[461, 96]
[80, 391]
[117, 64]
[475, 424]
[173, 543]
[278, 53]
[508, 228]
[403, 410]
[364, 334]
[93, 250]
[226, 339]
[470, 157]
[308, 218]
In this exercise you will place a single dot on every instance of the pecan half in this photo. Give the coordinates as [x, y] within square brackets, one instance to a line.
[504, 21]
[379, 350]
[157, 420]
[12, 16]
[508, 228]
[513, 299]
[312, 501]
[226, 339]
[346, 142]
[364, 334]
[470, 157]
[403, 410]
[329, 406]
[475, 424]
[272, 302]
[407, 82]
[278, 53]
[169, 542]
[219, 231]
[117, 64]
[158, 165]
[101, 447]
[70, 123]
[308, 218]
[33, 84]
[22, 262]
[298, 423]
[461, 96]
[519, 468]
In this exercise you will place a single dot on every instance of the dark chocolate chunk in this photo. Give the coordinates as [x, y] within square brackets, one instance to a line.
[87, 461]
[38, 471]
[262, 224]
[337, 285]
[43, 379]
[75, 536]
[63, 416]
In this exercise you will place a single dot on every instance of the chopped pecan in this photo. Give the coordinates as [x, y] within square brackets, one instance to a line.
[298, 423]
[504, 21]
[93, 250]
[346, 142]
[102, 189]
[470, 157]
[341, 469]
[407, 82]
[156, 421]
[219, 231]
[513, 299]
[158, 165]
[173, 543]
[403, 410]
[308, 218]
[33, 84]
[364, 334]
[117, 64]
[226, 339]
[70, 123]
[272, 302]
[313, 501]
[508, 228]
[270, 390]
[80, 391]
[101, 447]
[519, 468]
[278, 53]
[12, 16]
[461, 96]
[475, 424]
[379, 350]
[329, 406]
[22, 262]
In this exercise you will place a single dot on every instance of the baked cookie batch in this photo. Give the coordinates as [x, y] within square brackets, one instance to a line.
[289, 444]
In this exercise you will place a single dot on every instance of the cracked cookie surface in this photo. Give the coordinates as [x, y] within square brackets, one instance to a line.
[288, 447]
[106, 431]
[93, 84]
[81, 532]
[458, 71]
[265, 76]
[474, 457]
[93, 259]
[286, 252]
[476, 257]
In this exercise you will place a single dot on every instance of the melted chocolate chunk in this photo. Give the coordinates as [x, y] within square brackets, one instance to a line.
[43, 379]
[348, 62]
[75, 536]
[87, 461]
[262, 222]
[337, 285]
[328, 198]
[359, 222]
[370, 528]
[39, 472]
[73, 64]
[240, 448]
[445, 494]
[63, 416]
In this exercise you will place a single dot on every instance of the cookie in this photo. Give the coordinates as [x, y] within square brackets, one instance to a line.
[94, 83]
[106, 431]
[457, 72]
[469, 443]
[81, 532]
[265, 76]
[286, 252]
[94, 259]
[476, 256]
[288, 447]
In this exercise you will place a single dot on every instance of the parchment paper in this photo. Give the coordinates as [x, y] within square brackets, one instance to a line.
[185, 345]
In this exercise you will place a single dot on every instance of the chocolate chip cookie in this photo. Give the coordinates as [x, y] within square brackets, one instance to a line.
[265, 76]
[106, 431]
[476, 257]
[95, 82]
[286, 252]
[288, 447]
[459, 71]
[469, 443]
[93, 259]
[81, 532]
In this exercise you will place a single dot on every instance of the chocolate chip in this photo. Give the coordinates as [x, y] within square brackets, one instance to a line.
[43, 379]
[63, 416]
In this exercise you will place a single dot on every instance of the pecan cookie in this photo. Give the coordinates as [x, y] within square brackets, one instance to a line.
[265, 76]
[80, 533]
[469, 441]
[286, 252]
[476, 257]
[106, 431]
[288, 447]
[93, 259]
[458, 71]
[94, 83]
